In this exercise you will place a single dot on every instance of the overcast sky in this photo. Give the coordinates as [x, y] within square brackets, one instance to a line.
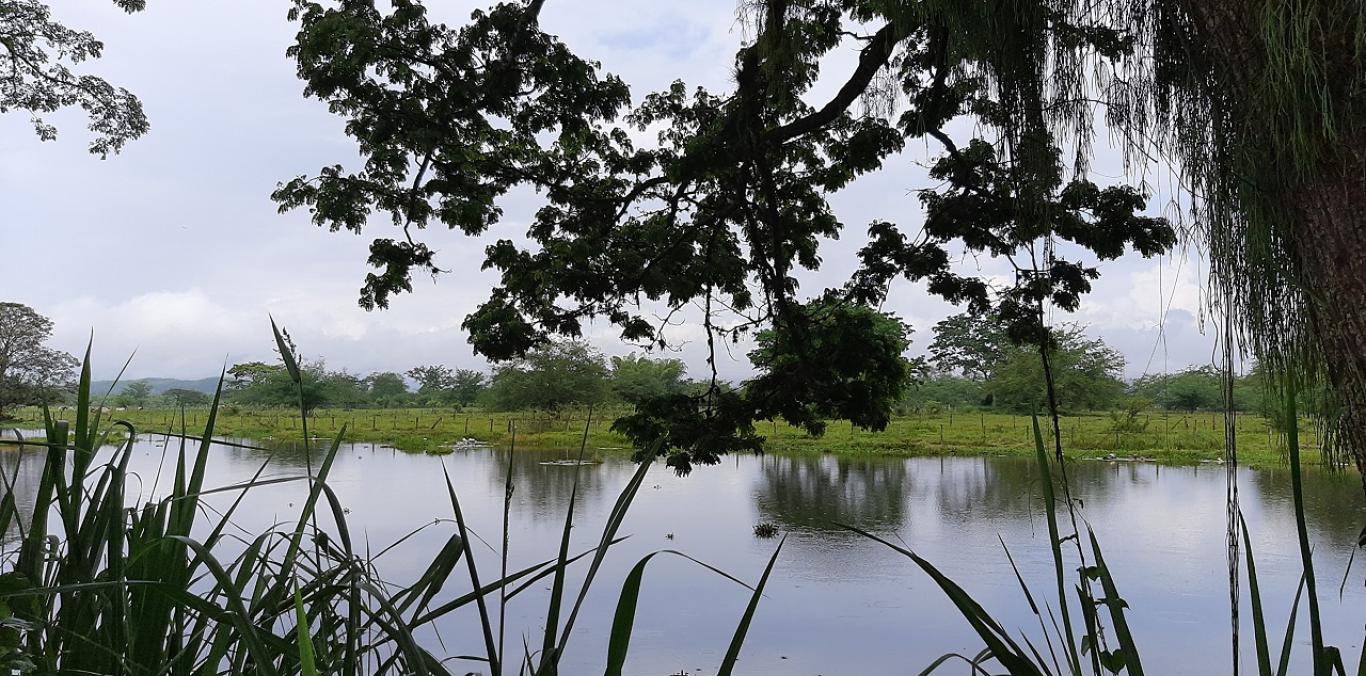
[173, 248]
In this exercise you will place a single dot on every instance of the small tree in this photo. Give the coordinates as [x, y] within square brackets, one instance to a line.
[30, 372]
[136, 393]
[184, 397]
[387, 389]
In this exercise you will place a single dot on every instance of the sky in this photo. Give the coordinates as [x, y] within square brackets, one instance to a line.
[173, 252]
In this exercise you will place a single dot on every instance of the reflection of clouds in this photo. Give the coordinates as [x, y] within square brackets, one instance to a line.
[1162, 529]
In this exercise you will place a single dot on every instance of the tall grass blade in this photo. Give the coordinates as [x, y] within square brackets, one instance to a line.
[307, 665]
[609, 534]
[1055, 545]
[552, 620]
[286, 353]
[1259, 634]
[1003, 648]
[738, 640]
[1292, 441]
[974, 663]
[623, 621]
[1128, 649]
[486, 625]
[1283, 667]
[1033, 607]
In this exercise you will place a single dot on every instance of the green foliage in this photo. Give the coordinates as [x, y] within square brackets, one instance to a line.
[466, 386]
[1194, 389]
[182, 397]
[969, 343]
[939, 391]
[136, 393]
[638, 378]
[251, 373]
[550, 377]
[386, 389]
[36, 59]
[729, 201]
[30, 372]
[1086, 374]
[317, 386]
[440, 385]
[838, 361]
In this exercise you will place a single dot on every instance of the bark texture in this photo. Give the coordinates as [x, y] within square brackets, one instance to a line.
[1328, 202]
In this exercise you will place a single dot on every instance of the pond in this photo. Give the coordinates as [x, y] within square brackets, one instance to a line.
[837, 603]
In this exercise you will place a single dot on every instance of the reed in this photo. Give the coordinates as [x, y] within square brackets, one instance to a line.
[101, 584]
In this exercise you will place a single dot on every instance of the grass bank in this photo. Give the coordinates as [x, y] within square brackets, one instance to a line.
[1161, 436]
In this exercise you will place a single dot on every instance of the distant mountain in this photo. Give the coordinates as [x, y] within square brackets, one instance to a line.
[159, 385]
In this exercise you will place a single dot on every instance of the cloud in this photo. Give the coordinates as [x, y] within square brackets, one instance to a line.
[174, 332]
[1144, 298]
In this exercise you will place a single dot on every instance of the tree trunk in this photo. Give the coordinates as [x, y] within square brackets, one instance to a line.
[1332, 253]
[1329, 206]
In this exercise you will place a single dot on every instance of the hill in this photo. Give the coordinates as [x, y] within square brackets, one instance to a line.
[159, 385]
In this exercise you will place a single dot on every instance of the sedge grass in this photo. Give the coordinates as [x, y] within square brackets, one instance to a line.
[103, 585]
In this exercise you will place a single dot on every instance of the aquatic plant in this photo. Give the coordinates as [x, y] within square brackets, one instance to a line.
[102, 585]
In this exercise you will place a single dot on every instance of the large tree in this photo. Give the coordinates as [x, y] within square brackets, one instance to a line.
[550, 377]
[968, 343]
[386, 389]
[1085, 372]
[38, 57]
[442, 384]
[729, 201]
[30, 371]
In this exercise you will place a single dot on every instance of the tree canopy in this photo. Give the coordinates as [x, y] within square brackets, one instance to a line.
[637, 378]
[30, 371]
[552, 376]
[37, 57]
[1086, 375]
[968, 343]
[731, 198]
[440, 384]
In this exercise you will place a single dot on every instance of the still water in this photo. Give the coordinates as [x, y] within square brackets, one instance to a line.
[837, 603]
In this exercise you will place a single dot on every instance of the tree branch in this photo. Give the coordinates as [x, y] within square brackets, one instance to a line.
[871, 59]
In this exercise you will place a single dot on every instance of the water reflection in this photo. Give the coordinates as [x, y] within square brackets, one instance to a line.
[21, 470]
[837, 603]
[820, 492]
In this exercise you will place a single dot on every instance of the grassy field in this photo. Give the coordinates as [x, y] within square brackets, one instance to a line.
[1157, 435]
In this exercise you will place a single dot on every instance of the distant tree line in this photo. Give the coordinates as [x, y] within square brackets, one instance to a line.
[972, 364]
[558, 375]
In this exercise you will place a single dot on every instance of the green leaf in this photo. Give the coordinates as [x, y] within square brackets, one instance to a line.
[307, 666]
